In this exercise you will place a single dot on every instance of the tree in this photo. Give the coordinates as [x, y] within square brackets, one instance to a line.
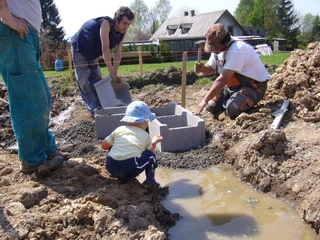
[278, 17]
[159, 13]
[257, 16]
[50, 20]
[146, 21]
[264, 15]
[244, 8]
[52, 41]
[139, 29]
[306, 34]
[316, 28]
[287, 20]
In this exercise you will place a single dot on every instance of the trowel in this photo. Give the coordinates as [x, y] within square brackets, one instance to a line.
[279, 114]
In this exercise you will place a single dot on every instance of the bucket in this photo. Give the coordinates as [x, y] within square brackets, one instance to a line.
[58, 65]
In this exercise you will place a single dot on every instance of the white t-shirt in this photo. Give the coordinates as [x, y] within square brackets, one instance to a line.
[30, 10]
[242, 59]
[127, 142]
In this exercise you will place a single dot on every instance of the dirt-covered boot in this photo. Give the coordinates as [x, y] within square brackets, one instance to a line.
[150, 181]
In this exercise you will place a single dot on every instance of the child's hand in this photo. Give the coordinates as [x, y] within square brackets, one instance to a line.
[156, 139]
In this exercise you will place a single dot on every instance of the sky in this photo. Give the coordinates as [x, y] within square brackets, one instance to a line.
[75, 12]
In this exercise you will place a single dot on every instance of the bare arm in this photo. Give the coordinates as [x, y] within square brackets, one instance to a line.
[216, 87]
[118, 55]
[20, 25]
[105, 145]
[106, 53]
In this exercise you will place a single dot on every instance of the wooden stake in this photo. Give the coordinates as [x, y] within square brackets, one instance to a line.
[140, 60]
[184, 79]
[70, 64]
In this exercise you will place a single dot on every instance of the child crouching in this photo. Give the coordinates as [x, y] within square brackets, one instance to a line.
[131, 148]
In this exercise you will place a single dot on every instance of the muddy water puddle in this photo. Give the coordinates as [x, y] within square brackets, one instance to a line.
[59, 119]
[214, 204]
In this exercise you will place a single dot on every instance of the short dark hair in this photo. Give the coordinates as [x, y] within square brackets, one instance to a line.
[123, 12]
[226, 39]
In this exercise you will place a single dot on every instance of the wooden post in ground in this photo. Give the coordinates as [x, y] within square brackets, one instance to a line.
[184, 79]
[70, 63]
[140, 60]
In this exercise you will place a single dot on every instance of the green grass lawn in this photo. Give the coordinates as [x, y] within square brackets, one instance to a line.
[276, 59]
[129, 69]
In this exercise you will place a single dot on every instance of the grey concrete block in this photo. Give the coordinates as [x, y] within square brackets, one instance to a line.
[112, 94]
[108, 119]
[181, 130]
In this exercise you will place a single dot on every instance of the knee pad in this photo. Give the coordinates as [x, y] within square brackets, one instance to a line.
[233, 110]
[214, 108]
[210, 108]
[237, 105]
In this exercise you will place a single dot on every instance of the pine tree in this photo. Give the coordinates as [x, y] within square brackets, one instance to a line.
[50, 20]
[316, 28]
[52, 41]
[288, 19]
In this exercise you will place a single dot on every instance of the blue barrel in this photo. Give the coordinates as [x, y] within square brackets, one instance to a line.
[59, 65]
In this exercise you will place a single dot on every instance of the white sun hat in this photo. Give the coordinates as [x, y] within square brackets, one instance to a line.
[138, 112]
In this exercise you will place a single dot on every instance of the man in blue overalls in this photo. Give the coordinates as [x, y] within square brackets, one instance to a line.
[28, 92]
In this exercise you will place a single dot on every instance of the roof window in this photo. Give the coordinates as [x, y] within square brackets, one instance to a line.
[185, 27]
[171, 29]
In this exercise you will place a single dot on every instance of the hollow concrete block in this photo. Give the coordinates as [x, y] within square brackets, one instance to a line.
[181, 130]
[112, 94]
[108, 119]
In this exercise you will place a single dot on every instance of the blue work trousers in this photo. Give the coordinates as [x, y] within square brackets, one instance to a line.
[87, 73]
[28, 93]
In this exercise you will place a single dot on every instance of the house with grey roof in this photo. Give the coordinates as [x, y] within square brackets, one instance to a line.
[182, 32]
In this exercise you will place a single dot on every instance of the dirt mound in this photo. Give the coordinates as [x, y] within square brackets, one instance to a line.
[80, 200]
[298, 80]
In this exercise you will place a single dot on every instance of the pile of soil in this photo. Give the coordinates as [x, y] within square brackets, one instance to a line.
[80, 200]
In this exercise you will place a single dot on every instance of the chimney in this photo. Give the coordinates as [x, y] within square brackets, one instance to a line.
[192, 13]
[186, 13]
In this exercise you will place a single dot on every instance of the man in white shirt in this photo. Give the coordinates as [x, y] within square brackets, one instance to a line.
[241, 76]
